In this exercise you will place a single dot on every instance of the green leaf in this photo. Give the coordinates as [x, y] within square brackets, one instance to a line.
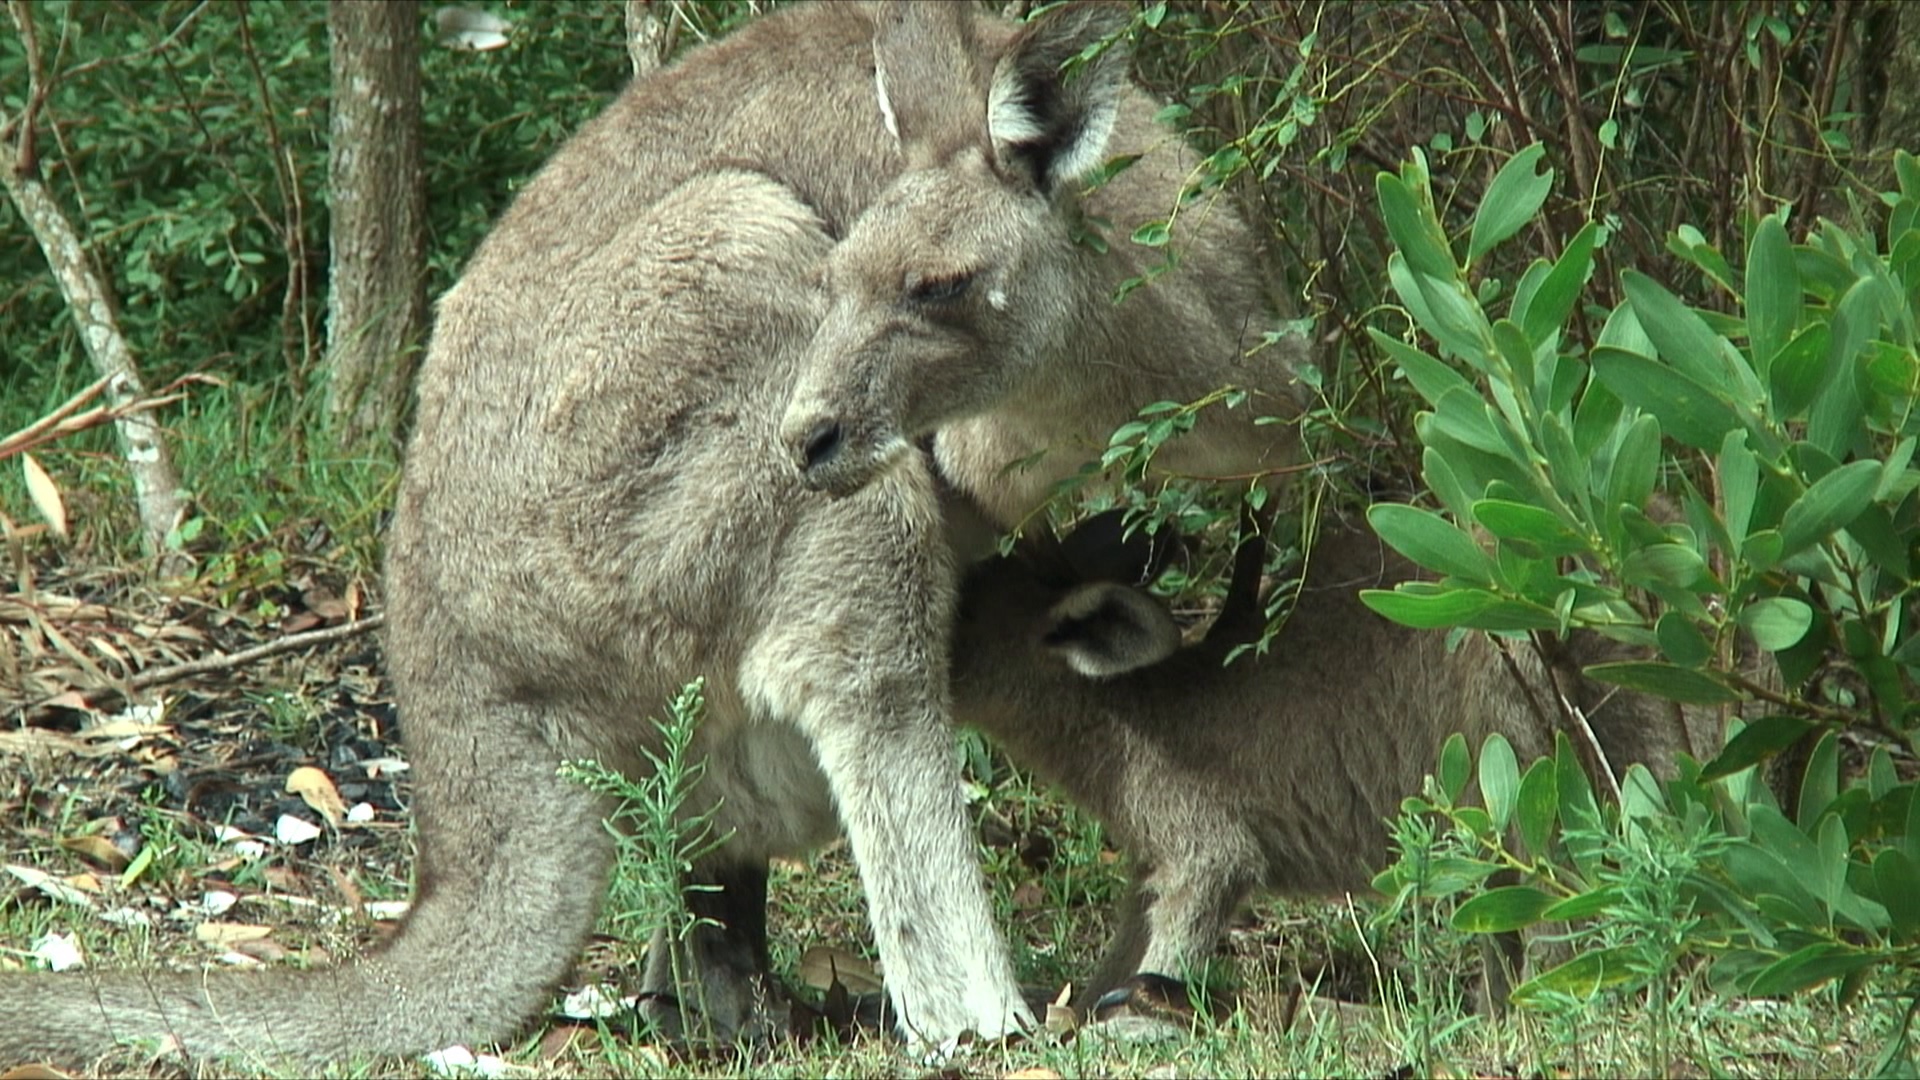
[1665, 564]
[1414, 231]
[1498, 911]
[1431, 541]
[1678, 332]
[1584, 906]
[1547, 309]
[1777, 622]
[1514, 197]
[1636, 464]
[1475, 609]
[1681, 641]
[1807, 968]
[1756, 742]
[1665, 680]
[1739, 485]
[1455, 766]
[1582, 977]
[1830, 504]
[1686, 408]
[1820, 784]
[1441, 478]
[1773, 292]
[1536, 806]
[1542, 530]
[1499, 779]
[1897, 879]
[1431, 378]
[1799, 370]
[1773, 834]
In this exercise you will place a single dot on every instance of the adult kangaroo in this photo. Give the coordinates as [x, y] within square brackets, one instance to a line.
[1275, 771]
[599, 503]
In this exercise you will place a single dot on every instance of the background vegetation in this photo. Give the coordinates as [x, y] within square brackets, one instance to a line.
[1618, 249]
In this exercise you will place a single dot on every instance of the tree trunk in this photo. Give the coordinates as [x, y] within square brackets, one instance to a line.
[376, 296]
[646, 37]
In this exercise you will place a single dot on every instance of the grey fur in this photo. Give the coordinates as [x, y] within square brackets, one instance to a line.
[1273, 772]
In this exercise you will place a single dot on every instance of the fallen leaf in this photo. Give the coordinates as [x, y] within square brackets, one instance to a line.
[1061, 1018]
[561, 1038]
[1038, 1072]
[316, 789]
[45, 495]
[50, 885]
[226, 934]
[293, 831]
[1028, 896]
[97, 849]
[60, 952]
[266, 950]
[824, 965]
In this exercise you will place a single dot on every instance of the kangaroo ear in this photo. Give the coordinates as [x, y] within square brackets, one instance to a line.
[1100, 549]
[1104, 630]
[1054, 125]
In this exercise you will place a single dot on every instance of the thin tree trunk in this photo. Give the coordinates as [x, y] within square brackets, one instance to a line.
[156, 487]
[376, 297]
[646, 37]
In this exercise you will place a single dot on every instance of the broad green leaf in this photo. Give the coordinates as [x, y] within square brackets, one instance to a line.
[1897, 878]
[1665, 564]
[1581, 978]
[1665, 680]
[1807, 968]
[1584, 906]
[1776, 836]
[1455, 320]
[1830, 504]
[1777, 622]
[1799, 370]
[1686, 408]
[1441, 478]
[1540, 529]
[1431, 541]
[1681, 641]
[1431, 378]
[1497, 911]
[1739, 485]
[1474, 609]
[1514, 197]
[1455, 767]
[1414, 231]
[1547, 309]
[1820, 784]
[1636, 464]
[1499, 779]
[1773, 292]
[1536, 807]
[1678, 332]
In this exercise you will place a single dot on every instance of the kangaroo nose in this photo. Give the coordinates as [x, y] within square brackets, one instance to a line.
[822, 444]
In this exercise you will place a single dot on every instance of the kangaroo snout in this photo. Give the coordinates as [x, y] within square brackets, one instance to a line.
[818, 447]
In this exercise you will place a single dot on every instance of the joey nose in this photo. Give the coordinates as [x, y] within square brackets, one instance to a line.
[820, 445]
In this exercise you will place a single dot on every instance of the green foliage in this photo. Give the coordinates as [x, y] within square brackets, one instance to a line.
[658, 838]
[1783, 431]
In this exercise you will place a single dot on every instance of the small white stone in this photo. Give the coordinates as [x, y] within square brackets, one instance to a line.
[60, 952]
[295, 830]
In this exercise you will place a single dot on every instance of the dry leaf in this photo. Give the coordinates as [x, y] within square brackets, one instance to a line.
[316, 789]
[45, 495]
[52, 886]
[1038, 1072]
[226, 935]
[1061, 1018]
[97, 849]
[824, 965]
[1028, 895]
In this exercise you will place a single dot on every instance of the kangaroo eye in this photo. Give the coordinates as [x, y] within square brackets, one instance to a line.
[939, 290]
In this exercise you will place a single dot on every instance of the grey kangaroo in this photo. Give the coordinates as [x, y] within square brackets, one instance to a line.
[1277, 771]
[600, 502]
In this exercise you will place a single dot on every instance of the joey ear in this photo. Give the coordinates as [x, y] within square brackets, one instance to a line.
[1104, 630]
[1050, 123]
[1100, 549]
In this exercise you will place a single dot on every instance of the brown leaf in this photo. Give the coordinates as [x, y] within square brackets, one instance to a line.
[561, 1038]
[824, 965]
[1037, 1072]
[97, 849]
[226, 935]
[298, 621]
[45, 495]
[1061, 1018]
[316, 789]
[1028, 896]
[35, 1072]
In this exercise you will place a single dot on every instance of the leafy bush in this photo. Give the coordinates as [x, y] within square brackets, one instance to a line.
[1784, 431]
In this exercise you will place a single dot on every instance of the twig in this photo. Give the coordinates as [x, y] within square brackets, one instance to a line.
[227, 661]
